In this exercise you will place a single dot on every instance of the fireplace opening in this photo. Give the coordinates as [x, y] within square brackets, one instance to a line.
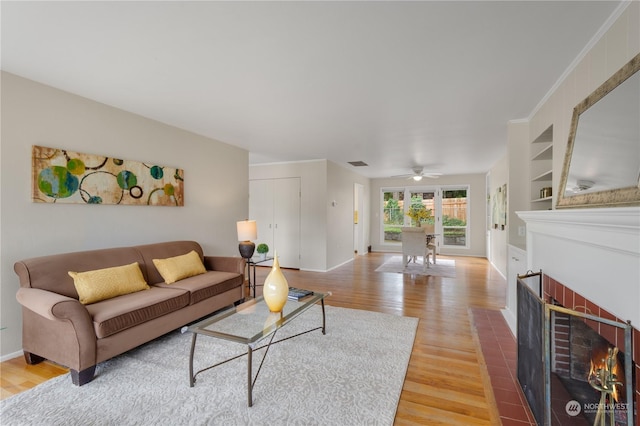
[588, 369]
[572, 366]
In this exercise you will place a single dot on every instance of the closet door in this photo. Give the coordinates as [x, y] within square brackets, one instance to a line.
[286, 216]
[275, 206]
[261, 210]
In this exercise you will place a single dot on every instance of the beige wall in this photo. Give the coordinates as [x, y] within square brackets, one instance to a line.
[498, 176]
[477, 201]
[340, 228]
[326, 237]
[216, 185]
[617, 45]
[313, 221]
[617, 42]
[519, 180]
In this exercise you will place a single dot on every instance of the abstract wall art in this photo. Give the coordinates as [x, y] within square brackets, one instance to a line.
[499, 215]
[62, 176]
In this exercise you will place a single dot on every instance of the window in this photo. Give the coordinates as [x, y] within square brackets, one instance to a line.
[449, 212]
[392, 215]
[455, 217]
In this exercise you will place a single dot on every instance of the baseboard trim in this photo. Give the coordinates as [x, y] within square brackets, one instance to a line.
[511, 320]
[10, 356]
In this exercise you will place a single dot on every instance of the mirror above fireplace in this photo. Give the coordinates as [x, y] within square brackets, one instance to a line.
[602, 161]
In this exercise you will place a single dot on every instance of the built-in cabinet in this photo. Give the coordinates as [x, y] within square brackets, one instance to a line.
[542, 171]
[516, 265]
[275, 206]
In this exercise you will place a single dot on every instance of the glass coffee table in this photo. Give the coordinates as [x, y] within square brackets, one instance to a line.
[251, 323]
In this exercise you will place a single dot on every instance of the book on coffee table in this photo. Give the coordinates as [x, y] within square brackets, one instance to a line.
[298, 293]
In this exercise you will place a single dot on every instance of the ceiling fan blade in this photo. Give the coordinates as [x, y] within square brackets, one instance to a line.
[417, 175]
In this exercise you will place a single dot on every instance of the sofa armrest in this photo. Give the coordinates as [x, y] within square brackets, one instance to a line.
[42, 302]
[58, 328]
[56, 307]
[225, 264]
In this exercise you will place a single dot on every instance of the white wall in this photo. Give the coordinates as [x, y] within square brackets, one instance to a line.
[519, 188]
[216, 185]
[498, 176]
[609, 53]
[326, 231]
[556, 255]
[477, 201]
[313, 220]
[340, 228]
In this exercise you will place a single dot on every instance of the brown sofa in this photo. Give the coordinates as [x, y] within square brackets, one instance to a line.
[56, 326]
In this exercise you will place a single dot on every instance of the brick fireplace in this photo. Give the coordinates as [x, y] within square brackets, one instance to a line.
[590, 259]
[574, 340]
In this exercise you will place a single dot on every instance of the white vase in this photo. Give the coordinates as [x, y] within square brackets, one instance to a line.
[276, 288]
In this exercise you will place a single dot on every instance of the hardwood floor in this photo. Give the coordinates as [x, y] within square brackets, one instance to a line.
[446, 381]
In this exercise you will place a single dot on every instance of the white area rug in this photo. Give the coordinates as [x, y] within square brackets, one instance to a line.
[443, 267]
[353, 375]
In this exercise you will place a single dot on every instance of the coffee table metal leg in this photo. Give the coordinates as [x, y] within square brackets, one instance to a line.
[249, 376]
[193, 347]
[323, 318]
[250, 379]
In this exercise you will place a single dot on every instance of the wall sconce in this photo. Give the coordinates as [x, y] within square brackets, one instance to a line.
[247, 232]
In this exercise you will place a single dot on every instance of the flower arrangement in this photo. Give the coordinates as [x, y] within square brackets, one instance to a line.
[419, 214]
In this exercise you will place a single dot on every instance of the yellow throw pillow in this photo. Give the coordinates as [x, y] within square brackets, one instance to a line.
[176, 268]
[102, 284]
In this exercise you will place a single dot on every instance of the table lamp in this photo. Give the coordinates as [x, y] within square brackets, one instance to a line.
[247, 231]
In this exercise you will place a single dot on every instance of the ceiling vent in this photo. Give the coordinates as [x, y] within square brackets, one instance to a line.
[358, 163]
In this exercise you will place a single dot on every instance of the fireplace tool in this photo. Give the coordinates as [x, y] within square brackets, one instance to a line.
[604, 381]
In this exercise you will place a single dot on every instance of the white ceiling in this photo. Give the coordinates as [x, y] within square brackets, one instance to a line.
[394, 84]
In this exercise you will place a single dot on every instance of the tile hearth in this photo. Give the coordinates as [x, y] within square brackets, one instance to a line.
[500, 351]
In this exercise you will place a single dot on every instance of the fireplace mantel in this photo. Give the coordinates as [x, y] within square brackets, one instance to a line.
[595, 252]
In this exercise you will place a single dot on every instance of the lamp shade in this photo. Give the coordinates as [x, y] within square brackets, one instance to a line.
[247, 230]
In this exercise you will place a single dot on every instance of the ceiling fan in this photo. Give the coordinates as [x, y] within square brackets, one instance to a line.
[418, 174]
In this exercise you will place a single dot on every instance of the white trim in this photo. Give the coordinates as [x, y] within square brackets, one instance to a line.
[11, 356]
[511, 320]
[327, 270]
[615, 229]
[438, 198]
[278, 163]
[498, 270]
[595, 39]
[467, 239]
[595, 252]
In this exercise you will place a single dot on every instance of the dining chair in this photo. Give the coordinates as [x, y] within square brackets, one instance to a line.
[414, 245]
[430, 241]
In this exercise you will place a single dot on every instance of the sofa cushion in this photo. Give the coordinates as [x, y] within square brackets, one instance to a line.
[206, 285]
[122, 312]
[176, 268]
[51, 272]
[101, 284]
[149, 252]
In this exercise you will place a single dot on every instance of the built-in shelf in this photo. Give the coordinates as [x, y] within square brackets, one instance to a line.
[541, 154]
[539, 200]
[542, 177]
[545, 154]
